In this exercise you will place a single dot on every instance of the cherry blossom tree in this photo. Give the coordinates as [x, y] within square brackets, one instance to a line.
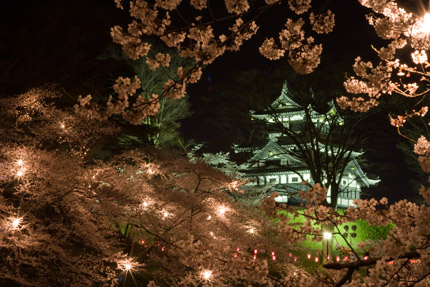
[192, 31]
[159, 219]
[68, 219]
[400, 260]
[149, 216]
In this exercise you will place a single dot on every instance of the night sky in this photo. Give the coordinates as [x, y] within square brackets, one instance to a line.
[64, 42]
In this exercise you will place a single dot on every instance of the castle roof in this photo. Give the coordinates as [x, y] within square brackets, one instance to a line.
[278, 153]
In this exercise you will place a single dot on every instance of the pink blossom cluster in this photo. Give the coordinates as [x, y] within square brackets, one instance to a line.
[422, 148]
[405, 31]
[195, 38]
[299, 6]
[53, 200]
[303, 54]
[322, 23]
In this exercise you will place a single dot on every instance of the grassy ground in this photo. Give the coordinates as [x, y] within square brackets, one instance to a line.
[363, 232]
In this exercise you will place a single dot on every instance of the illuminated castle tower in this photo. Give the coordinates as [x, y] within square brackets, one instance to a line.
[287, 157]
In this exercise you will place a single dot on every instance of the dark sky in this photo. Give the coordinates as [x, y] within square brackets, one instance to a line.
[62, 41]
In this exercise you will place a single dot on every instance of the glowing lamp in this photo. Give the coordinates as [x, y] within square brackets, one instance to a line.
[20, 173]
[16, 222]
[206, 274]
[316, 259]
[127, 265]
[20, 162]
[327, 235]
[221, 210]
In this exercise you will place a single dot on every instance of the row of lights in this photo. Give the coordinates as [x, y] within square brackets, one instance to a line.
[206, 274]
[15, 222]
[128, 264]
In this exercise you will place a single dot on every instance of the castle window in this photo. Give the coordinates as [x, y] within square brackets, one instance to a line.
[294, 179]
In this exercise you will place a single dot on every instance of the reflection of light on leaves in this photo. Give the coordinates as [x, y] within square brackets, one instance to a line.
[419, 57]
[149, 168]
[422, 26]
[425, 24]
[234, 185]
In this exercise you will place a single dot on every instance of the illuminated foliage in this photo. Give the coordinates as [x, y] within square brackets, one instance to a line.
[62, 213]
[67, 219]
